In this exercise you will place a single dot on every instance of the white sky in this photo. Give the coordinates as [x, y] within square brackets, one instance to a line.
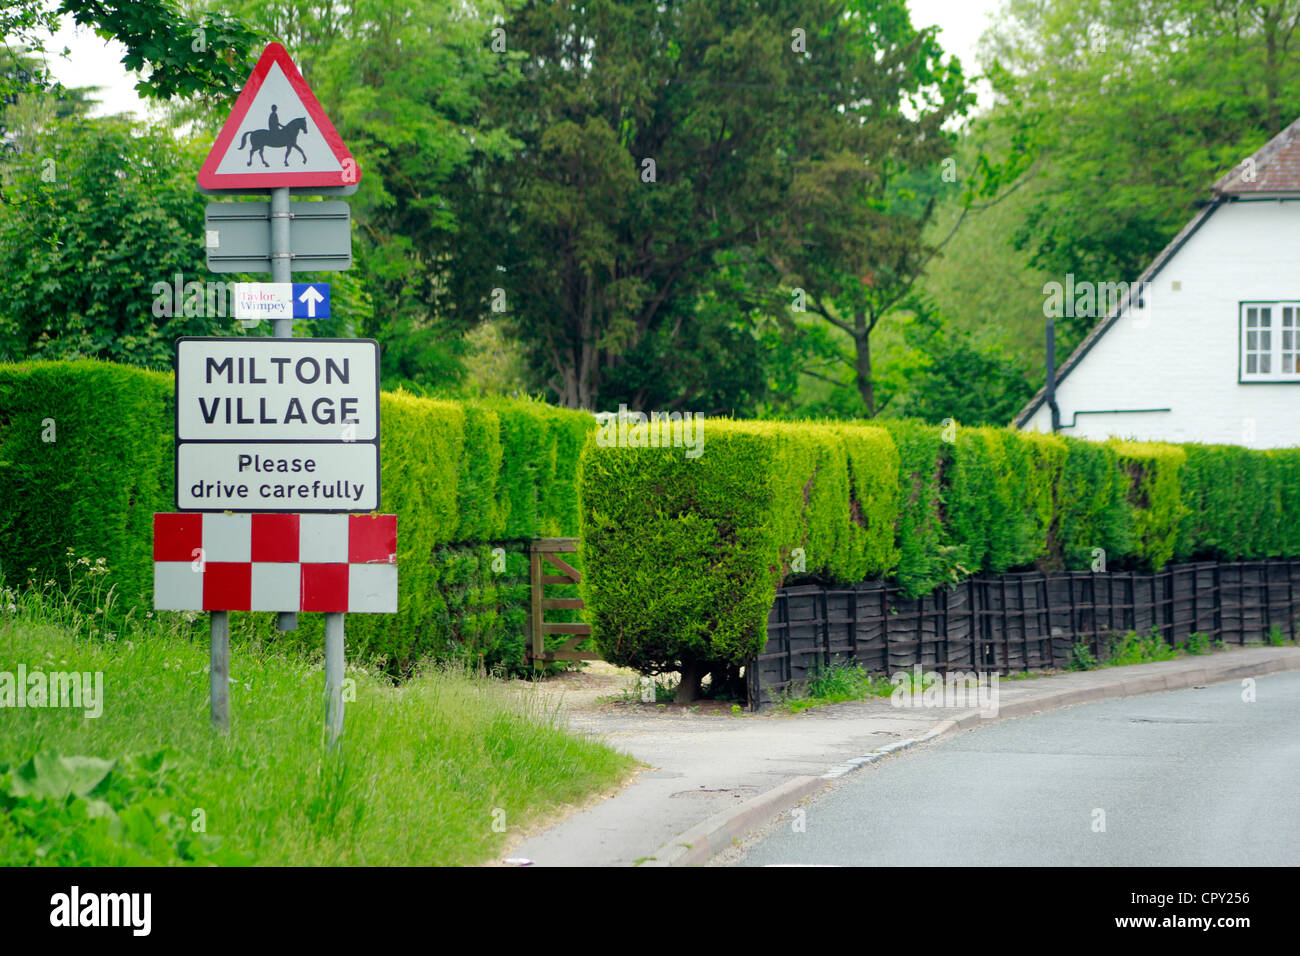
[95, 62]
[961, 23]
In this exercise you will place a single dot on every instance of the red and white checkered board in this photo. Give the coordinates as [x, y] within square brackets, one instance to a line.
[275, 562]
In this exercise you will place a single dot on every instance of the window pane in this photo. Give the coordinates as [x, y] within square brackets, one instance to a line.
[1286, 362]
[1252, 341]
[1252, 318]
[1265, 317]
[1265, 338]
[1264, 363]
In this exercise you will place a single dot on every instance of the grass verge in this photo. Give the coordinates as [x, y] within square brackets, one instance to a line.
[439, 771]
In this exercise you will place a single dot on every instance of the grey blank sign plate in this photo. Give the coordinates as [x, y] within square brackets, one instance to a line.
[320, 236]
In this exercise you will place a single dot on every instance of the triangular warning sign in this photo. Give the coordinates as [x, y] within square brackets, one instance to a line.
[277, 135]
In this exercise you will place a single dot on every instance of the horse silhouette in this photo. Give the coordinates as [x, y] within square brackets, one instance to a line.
[285, 137]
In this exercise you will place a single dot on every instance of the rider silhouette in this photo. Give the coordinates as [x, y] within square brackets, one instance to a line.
[273, 124]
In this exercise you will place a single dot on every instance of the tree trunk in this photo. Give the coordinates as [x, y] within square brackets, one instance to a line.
[862, 338]
[689, 688]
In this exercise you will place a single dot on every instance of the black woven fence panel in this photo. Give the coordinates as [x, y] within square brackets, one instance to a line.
[1018, 621]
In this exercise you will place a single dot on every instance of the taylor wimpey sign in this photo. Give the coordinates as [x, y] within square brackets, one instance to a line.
[266, 424]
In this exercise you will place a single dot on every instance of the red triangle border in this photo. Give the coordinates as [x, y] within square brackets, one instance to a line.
[209, 178]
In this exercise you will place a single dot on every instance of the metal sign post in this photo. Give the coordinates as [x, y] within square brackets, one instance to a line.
[219, 669]
[275, 111]
[281, 271]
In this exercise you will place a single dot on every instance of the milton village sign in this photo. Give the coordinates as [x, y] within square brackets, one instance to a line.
[277, 439]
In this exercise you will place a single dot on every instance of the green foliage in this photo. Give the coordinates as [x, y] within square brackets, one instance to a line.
[1197, 643]
[468, 482]
[836, 684]
[1108, 203]
[95, 486]
[1135, 648]
[683, 555]
[874, 486]
[1082, 658]
[995, 506]
[751, 143]
[1239, 502]
[989, 298]
[947, 360]
[80, 274]
[540, 448]
[174, 55]
[405, 84]
[1155, 495]
[58, 810]
[1091, 514]
[171, 54]
[925, 558]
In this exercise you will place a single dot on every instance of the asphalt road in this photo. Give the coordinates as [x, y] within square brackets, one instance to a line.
[1188, 778]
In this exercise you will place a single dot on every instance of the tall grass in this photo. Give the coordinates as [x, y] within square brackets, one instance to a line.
[441, 770]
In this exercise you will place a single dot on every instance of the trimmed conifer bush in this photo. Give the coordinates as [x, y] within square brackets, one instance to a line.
[684, 555]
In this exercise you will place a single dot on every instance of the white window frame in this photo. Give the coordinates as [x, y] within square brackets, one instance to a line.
[1268, 353]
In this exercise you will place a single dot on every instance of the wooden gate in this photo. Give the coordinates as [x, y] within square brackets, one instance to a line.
[549, 550]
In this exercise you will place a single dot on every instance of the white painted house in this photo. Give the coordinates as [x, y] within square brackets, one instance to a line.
[1205, 347]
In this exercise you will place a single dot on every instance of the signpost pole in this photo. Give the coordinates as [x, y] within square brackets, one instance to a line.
[334, 676]
[282, 271]
[219, 671]
[281, 252]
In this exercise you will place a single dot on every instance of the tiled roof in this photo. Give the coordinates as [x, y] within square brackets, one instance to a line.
[1276, 168]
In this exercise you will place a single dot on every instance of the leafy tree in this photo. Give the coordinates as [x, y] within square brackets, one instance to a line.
[647, 168]
[953, 374]
[1133, 110]
[403, 81]
[979, 282]
[25, 28]
[177, 56]
[114, 211]
[865, 190]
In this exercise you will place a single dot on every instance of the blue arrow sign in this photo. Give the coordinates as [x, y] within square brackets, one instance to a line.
[311, 300]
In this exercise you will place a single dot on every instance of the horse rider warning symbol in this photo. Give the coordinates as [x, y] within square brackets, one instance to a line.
[274, 136]
[277, 134]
